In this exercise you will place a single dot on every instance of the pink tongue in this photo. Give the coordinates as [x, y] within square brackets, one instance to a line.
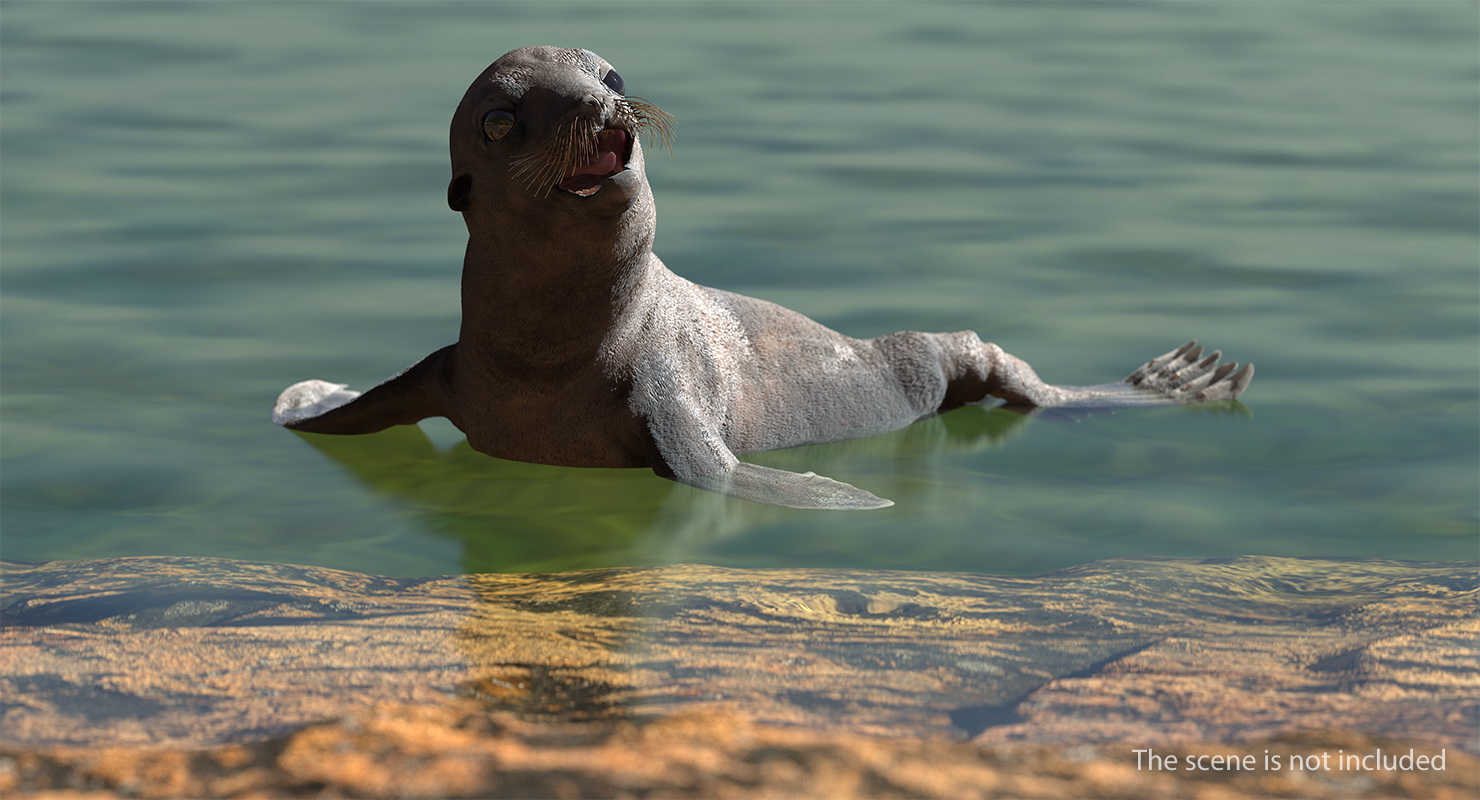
[608, 146]
[604, 163]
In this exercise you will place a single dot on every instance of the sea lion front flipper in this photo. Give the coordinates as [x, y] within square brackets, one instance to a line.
[322, 407]
[692, 451]
[778, 487]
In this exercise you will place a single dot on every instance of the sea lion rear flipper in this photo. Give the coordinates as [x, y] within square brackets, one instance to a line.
[1186, 375]
[778, 487]
[1183, 375]
[322, 407]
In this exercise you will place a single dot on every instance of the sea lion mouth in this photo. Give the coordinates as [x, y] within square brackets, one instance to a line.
[613, 149]
[581, 156]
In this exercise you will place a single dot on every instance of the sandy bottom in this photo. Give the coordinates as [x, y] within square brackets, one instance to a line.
[1253, 677]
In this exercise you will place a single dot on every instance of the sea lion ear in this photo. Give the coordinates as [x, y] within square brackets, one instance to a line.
[457, 192]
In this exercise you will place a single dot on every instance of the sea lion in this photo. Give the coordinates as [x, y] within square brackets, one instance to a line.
[578, 347]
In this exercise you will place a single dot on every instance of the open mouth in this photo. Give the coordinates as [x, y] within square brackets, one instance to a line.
[612, 148]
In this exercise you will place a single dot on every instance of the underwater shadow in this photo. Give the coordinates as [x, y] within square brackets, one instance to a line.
[516, 517]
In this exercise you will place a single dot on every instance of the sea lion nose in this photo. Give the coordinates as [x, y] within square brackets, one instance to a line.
[595, 107]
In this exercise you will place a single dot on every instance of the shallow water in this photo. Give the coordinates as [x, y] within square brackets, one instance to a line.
[203, 203]
[169, 652]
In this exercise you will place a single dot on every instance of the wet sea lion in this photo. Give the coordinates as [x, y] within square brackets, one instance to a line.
[580, 348]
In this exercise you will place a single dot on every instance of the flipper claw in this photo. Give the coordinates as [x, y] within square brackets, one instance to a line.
[1184, 375]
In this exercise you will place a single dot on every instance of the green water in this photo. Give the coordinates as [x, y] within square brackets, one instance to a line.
[205, 202]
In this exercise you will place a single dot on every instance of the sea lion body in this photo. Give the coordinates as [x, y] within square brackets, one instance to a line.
[579, 347]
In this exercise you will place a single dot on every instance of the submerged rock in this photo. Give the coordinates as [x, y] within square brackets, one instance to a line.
[695, 679]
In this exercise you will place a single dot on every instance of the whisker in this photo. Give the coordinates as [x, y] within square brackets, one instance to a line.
[573, 143]
[576, 142]
[648, 118]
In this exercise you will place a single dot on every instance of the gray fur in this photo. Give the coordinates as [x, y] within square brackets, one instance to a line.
[579, 347]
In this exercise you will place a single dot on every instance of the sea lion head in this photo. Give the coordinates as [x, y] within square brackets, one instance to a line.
[547, 133]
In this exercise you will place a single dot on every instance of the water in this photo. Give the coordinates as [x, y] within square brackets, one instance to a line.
[203, 203]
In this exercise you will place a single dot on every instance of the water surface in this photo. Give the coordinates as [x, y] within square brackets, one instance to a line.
[206, 202]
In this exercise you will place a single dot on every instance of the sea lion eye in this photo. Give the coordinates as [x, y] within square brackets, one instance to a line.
[613, 81]
[497, 124]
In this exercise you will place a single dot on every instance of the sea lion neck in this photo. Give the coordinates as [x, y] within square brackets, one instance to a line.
[532, 302]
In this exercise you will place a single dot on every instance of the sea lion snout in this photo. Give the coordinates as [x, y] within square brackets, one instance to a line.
[599, 109]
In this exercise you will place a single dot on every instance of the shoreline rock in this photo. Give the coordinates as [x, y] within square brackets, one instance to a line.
[229, 678]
